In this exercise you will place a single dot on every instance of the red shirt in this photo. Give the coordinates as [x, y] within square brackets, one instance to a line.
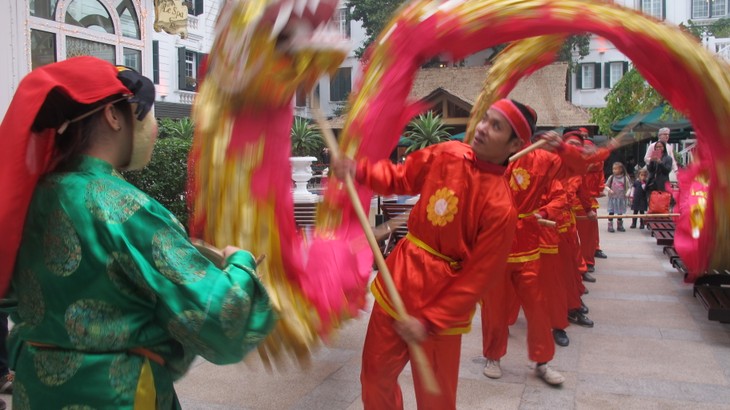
[465, 213]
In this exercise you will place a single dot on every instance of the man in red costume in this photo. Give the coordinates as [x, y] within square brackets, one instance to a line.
[593, 184]
[459, 236]
[530, 178]
[580, 205]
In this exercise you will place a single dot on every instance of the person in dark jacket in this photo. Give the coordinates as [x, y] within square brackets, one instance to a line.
[639, 203]
[659, 167]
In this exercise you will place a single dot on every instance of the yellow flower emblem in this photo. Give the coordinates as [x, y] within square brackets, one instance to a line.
[520, 179]
[442, 206]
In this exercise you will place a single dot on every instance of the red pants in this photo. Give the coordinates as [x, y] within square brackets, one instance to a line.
[554, 278]
[570, 255]
[385, 355]
[588, 233]
[523, 277]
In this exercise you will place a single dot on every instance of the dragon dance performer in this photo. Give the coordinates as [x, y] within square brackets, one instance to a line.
[459, 236]
[593, 184]
[552, 274]
[113, 301]
[529, 177]
[575, 267]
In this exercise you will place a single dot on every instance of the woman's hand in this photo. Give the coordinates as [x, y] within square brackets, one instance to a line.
[229, 250]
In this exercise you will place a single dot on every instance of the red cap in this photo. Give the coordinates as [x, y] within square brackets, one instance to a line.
[26, 155]
[516, 119]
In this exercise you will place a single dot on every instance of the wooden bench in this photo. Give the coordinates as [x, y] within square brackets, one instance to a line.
[305, 214]
[661, 226]
[664, 237]
[396, 214]
[675, 260]
[713, 291]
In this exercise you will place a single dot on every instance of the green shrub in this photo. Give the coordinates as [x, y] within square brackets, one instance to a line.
[165, 177]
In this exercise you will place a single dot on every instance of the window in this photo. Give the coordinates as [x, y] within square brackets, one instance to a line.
[107, 29]
[654, 8]
[195, 7]
[89, 14]
[156, 62]
[588, 76]
[45, 9]
[188, 68]
[43, 48]
[300, 99]
[702, 9]
[342, 21]
[128, 19]
[80, 47]
[341, 84]
[613, 72]
[133, 59]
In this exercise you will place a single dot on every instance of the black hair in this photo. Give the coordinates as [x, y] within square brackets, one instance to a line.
[76, 138]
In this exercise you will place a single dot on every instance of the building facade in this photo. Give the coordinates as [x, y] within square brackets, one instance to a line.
[121, 32]
[599, 71]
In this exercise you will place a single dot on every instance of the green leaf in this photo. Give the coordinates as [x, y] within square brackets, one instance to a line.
[426, 130]
[306, 139]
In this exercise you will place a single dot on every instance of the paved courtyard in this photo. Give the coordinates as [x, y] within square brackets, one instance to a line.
[652, 348]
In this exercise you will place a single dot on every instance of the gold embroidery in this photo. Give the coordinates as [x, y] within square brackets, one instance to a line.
[96, 325]
[56, 367]
[113, 203]
[61, 245]
[520, 179]
[31, 304]
[176, 259]
[442, 206]
[125, 275]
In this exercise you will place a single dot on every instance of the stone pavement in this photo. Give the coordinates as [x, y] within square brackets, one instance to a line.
[652, 348]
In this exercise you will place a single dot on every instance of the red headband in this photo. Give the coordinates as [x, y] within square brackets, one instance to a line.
[567, 138]
[515, 118]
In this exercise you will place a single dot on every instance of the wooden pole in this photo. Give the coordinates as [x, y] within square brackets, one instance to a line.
[418, 356]
[626, 216]
[527, 150]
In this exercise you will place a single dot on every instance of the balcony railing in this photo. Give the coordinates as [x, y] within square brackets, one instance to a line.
[719, 46]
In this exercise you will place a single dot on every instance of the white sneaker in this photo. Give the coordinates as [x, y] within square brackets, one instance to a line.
[548, 374]
[492, 369]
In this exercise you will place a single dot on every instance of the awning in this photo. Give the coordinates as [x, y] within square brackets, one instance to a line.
[652, 121]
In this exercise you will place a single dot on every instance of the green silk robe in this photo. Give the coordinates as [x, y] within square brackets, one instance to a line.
[103, 269]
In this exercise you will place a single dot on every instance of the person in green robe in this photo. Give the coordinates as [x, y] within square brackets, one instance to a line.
[113, 300]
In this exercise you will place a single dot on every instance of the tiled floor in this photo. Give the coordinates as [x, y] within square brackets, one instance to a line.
[652, 348]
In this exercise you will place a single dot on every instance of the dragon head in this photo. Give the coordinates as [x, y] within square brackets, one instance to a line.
[266, 49]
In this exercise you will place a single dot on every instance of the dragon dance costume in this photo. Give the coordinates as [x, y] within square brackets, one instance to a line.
[459, 236]
[530, 177]
[114, 302]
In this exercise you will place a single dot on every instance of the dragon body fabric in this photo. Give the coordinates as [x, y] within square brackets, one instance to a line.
[240, 179]
[693, 80]
[241, 183]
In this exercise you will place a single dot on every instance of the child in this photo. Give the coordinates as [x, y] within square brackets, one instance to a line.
[638, 197]
[617, 187]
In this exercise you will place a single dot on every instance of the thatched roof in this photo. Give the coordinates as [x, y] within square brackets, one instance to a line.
[544, 90]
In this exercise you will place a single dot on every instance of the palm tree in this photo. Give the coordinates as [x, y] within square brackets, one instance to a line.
[426, 130]
[305, 139]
